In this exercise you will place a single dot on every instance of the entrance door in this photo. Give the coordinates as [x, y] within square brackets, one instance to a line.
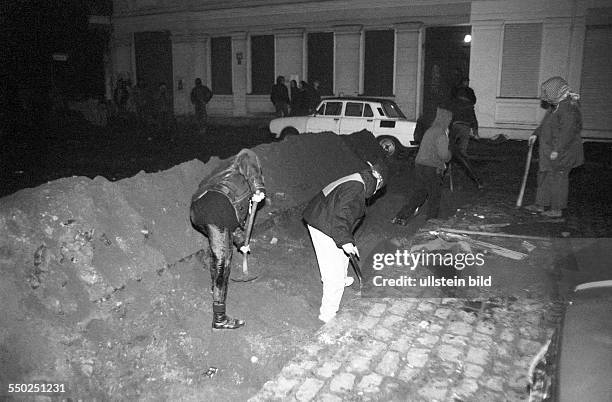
[447, 59]
[154, 61]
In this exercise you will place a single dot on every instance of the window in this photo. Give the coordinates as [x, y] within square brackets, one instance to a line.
[321, 61]
[520, 73]
[333, 108]
[353, 109]
[262, 64]
[368, 111]
[392, 110]
[378, 63]
[221, 65]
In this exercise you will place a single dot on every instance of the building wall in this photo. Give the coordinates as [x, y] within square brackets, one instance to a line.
[193, 22]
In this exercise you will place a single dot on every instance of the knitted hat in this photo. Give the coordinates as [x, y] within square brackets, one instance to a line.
[554, 90]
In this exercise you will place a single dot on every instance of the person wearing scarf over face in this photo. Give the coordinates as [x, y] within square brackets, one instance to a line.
[331, 217]
[560, 146]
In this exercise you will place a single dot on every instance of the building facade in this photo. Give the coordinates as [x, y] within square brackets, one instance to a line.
[411, 51]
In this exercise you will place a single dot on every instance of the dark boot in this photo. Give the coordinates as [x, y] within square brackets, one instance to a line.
[222, 321]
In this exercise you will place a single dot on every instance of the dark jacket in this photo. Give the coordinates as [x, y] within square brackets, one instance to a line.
[338, 214]
[559, 131]
[200, 95]
[463, 112]
[279, 94]
[433, 150]
[238, 182]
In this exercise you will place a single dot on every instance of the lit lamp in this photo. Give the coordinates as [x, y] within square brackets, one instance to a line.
[467, 38]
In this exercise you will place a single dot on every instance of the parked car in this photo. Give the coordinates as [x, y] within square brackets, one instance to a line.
[346, 115]
[576, 364]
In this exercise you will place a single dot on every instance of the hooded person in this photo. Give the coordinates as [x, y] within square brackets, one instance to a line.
[560, 146]
[331, 217]
[219, 209]
[429, 168]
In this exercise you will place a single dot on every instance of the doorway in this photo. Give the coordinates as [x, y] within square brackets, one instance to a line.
[447, 59]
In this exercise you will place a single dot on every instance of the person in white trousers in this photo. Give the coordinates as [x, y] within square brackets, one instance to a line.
[331, 217]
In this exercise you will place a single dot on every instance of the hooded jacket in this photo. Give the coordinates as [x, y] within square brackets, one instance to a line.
[434, 150]
[338, 208]
[238, 182]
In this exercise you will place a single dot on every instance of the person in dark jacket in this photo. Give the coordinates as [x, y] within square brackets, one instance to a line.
[297, 100]
[331, 217]
[312, 97]
[219, 209]
[430, 164]
[464, 85]
[560, 146]
[279, 95]
[200, 96]
[464, 125]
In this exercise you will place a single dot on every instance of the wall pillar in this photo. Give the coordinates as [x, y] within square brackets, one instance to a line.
[484, 67]
[239, 74]
[347, 42]
[121, 55]
[408, 60]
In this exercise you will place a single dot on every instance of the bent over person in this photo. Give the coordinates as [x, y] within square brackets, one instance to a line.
[331, 217]
[218, 209]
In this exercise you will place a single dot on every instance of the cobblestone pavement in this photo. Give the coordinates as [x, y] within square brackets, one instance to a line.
[432, 349]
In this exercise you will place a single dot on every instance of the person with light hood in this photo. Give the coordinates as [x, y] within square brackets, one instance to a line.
[430, 165]
[331, 217]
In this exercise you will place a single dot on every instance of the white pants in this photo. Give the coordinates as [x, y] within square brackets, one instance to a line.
[333, 264]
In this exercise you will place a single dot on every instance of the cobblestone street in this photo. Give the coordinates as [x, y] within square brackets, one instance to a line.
[418, 350]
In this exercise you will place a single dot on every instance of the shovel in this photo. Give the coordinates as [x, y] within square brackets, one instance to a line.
[245, 265]
[519, 201]
[357, 269]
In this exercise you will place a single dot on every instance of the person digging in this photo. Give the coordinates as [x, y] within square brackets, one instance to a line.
[331, 217]
[218, 210]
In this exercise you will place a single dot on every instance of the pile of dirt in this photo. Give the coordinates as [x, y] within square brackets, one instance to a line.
[103, 285]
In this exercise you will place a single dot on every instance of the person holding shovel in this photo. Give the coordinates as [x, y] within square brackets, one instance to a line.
[560, 146]
[430, 165]
[331, 217]
[218, 210]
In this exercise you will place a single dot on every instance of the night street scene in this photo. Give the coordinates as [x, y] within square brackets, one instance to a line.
[320, 200]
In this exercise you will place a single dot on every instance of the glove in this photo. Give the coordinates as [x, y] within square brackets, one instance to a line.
[554, 155]
[532, 139]
[245, 249]
[350, 248]
[258, 196]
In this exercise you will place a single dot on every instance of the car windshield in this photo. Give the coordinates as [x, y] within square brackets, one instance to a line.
[392, 110]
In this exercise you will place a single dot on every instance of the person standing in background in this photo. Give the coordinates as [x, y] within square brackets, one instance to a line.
[279, 95]
[200, 96]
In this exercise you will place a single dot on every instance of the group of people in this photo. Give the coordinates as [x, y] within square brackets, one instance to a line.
[223, 202]
[560, 150]
[143, 103]
[297, 100]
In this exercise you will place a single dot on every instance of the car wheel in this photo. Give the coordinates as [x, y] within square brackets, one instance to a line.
[288, 131]
[390, 146]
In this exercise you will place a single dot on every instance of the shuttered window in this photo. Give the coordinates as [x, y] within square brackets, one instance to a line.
[321, 61]
[262, 64]
[378, 63]
[596, 85]
[221, 65]
[521, 61]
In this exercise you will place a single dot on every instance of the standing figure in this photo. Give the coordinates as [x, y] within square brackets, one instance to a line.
[200, 96]
[218, 210]
[312, 97]
[560, 146]
[164, 108]
[331, 217]
[464, 85]
[429, 167]
[464, 125]
[279, 95]
[296, 94]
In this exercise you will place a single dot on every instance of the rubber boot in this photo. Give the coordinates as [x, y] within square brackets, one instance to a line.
[222, 321]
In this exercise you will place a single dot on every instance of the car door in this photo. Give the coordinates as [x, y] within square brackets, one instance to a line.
[327, 118]
[357, 116]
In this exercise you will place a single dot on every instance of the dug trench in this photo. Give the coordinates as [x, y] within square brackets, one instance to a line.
[105, 285]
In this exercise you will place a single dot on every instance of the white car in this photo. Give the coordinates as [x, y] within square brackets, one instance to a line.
[346, 115]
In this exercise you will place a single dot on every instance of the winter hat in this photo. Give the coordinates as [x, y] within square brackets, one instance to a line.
[555, 89]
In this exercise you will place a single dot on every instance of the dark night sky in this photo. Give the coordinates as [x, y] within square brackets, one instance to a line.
[33, 30]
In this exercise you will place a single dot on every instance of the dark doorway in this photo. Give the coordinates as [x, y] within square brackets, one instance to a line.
[321, 61]
[447, 59]
[154, 60]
